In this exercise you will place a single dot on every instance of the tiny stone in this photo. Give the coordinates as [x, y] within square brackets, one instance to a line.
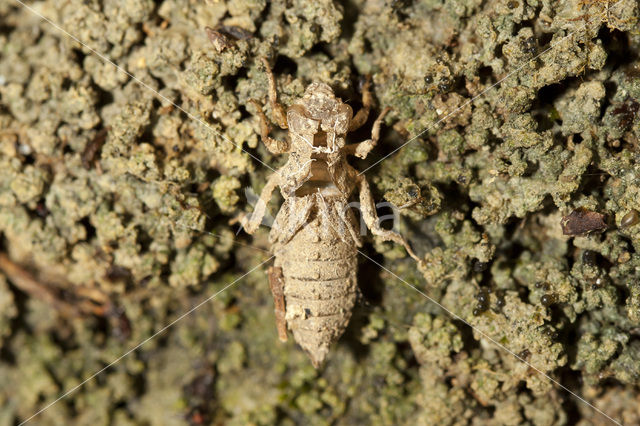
[582, 221]
[445, 86]
[547, 299]
[630, 219]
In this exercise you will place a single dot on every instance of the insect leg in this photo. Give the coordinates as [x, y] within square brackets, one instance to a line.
[276, 283]
[373, 222]
[273, 145]
[367, 102]
[251, 224]
[362, 149]
[278, 110]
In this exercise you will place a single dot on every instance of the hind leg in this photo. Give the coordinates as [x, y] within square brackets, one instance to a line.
[276, 282]
[373, 222]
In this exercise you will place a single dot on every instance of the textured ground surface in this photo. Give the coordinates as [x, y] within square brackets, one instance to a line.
[106, 191]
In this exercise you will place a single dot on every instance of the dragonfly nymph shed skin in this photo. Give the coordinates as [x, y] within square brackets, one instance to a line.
[315, 236]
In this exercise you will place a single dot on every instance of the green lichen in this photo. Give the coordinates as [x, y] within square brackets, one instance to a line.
[516, 112]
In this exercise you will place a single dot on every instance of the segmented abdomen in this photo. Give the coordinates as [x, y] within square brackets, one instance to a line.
[320, 286]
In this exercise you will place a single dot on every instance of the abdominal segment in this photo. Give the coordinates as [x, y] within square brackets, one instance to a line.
[319, 267]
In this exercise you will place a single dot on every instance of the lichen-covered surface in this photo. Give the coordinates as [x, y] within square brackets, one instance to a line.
[115, 208]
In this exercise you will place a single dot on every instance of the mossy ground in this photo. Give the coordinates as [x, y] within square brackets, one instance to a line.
[118, 204]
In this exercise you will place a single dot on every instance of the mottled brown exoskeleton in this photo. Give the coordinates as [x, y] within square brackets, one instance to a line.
[315, 235]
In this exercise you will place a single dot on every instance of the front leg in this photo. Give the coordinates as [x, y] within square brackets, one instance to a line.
[273, 145]
[373, 222]
[278, 110]
[251, 224]
[367, 101]
[362, 149]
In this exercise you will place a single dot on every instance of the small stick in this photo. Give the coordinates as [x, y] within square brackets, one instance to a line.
[93, 147]
[90, 300]
[26, 282]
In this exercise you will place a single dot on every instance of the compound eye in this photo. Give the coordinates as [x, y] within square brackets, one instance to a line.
[339, 122]
[299, 123]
